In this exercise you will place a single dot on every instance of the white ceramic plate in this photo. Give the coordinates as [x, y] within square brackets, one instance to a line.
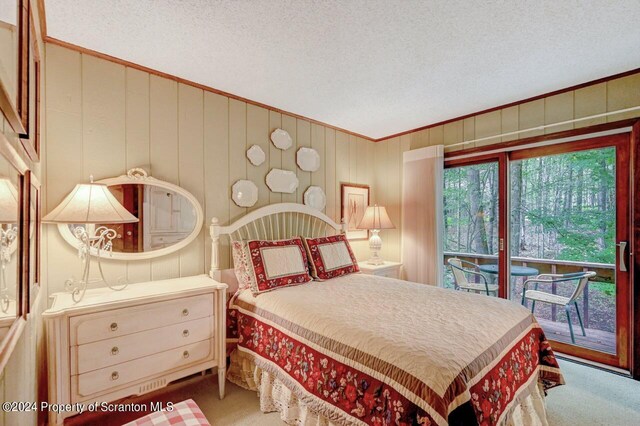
[279, 180]
[281, 139]
[244, 193]
[256, 155]
[314, 197]
[308, 159]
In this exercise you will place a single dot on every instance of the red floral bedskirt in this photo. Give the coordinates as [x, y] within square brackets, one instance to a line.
[490, 398]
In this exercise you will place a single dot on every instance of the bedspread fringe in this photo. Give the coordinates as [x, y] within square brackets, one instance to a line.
[278, 392]
[528, 408]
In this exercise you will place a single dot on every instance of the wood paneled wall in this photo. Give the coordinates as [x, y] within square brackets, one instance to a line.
[106, 118]
[613, 95]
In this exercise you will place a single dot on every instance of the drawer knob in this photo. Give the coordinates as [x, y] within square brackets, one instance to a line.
[115, 375]
[185, 333]
[114, 326]
[185, 312]
[115, 350]
[185, 354]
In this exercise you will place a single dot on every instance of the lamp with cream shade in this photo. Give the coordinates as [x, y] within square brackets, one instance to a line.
[375, 218]
[8, 235]
[90, 203]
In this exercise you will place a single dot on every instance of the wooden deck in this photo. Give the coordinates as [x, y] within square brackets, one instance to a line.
[598, 340]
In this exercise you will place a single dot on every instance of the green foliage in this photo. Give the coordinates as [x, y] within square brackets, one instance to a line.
[563, 207]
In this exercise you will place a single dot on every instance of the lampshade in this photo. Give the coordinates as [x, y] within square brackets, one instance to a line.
[90, 203]
[375, 217]
[8, 201]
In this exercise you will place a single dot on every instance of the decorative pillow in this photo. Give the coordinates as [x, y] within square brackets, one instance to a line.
[330, 257]
[276, 264]
[241, 264]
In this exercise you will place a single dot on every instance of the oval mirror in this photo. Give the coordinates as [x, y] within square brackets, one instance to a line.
[169, 218]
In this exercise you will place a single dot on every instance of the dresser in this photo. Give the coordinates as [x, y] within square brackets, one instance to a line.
[387, 269]
[114, 344]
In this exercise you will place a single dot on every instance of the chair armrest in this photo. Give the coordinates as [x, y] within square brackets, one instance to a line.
[543, 276]
[571, 275]
[469, 271]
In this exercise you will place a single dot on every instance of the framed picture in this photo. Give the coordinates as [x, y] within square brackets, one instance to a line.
[31, 141]
[353, 202]
[14, 72]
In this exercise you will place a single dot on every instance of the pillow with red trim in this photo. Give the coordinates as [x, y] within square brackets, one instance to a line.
[330, 257]
[241, 264]
[277, 264]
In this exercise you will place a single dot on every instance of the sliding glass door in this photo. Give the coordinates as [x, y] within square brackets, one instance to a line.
[555, 209]
[472, 227]
[569, 214]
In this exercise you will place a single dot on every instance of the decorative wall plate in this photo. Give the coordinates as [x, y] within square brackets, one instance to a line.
[314, 197]
[279, 180]
[245, 193]
[281, 139]
[308, 159]
[255, 154]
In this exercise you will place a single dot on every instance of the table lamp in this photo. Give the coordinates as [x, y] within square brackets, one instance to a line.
[375, 218]
[8, 234]
[90, 203]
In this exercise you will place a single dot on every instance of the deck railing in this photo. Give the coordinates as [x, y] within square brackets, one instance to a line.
[605, 272]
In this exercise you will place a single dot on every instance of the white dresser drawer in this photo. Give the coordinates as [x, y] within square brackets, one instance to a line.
[108, 378]
[148, 340]
[104, 325]
[104, 353]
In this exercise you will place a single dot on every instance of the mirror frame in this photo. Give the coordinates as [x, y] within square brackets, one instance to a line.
[18, 323]
[35, 239]
[139, 176]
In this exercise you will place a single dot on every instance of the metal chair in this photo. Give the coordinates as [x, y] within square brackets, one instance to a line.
[555, 299]
[461, 281]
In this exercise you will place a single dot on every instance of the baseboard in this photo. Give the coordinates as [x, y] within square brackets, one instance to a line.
[593, 364]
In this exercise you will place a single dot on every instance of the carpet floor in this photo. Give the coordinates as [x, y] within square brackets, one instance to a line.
[590, 397]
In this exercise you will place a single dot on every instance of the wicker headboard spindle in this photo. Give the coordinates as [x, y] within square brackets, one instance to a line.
[273, 222]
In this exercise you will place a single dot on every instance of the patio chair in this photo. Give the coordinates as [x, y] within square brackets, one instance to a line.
[461, 280]
[536, 295]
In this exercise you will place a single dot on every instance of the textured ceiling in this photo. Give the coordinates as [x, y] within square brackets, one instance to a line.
[374, 67]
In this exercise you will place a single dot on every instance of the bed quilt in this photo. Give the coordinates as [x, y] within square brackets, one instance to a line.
[362, 349]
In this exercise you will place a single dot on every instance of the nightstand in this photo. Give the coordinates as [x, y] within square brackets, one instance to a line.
[388, 269]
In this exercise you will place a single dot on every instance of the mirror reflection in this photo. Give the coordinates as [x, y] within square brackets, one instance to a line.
[9, 46]
[9, 241]
[34, 245]
[165, 218]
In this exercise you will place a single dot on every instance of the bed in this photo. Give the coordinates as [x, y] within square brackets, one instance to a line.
[367, 350]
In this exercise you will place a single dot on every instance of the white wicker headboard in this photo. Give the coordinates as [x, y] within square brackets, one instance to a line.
[273, 222]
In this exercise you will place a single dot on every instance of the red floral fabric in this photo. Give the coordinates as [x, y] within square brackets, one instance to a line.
[260, 282]
[319, 269]
[500, 385]
[232, 326]
[377, 403]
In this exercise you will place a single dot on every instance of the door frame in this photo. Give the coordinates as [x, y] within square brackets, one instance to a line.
[502, 159]
[635, 245]
[620, 142]
[493, 152]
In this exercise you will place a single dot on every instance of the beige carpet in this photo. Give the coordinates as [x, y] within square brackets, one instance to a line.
[591, 397]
